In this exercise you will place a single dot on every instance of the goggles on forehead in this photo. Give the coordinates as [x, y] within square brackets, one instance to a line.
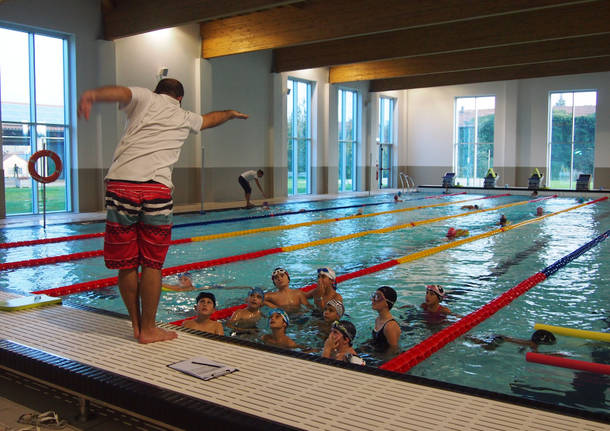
[339, 327]
[278, 271]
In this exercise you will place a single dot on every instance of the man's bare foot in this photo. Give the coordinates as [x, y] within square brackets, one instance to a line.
[155, 334]
[136, 329]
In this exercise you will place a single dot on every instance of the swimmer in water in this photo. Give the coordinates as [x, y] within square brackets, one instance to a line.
[434, 296]
[386, 333]
[245, 320]
[539, 337]
[453, 233]
[289, 299]
[503, 221]
[469, 207]
[205, 307]
[326, 289]
[539, 211]
[278, 322]
[185, 283]
[338, 345]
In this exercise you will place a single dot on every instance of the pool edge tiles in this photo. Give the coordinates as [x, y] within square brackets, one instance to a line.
[111, 386]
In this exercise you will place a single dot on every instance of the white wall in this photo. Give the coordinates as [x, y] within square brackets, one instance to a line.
[138, 60]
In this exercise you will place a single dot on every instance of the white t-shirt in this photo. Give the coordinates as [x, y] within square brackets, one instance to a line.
[156, 130]
[249, 175]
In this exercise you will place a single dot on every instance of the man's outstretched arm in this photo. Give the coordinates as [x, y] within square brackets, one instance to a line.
[216, 118]
[102, 94]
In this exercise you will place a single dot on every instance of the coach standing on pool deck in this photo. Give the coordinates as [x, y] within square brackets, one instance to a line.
[139, 190]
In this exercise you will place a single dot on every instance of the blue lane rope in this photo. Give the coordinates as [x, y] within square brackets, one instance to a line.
[551, 269]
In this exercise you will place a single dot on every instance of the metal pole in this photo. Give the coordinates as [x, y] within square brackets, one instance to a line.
[44, 188]
[202, 210]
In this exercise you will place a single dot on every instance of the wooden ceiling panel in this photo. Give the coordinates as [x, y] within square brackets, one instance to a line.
[528, 53]
[567, 67]
[129, 17]
[318, 20]
[561, 22]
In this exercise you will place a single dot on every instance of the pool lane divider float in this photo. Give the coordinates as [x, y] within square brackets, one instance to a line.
[227, 312]
[101, 234]
[578, 333]
[407, 360]
[97, 253]
[111, 281]
[573, 364]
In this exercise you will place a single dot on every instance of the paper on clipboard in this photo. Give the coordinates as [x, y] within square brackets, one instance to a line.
[202, 368]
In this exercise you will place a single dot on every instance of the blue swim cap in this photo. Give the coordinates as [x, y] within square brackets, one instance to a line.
[257, 290]
[187, 275]
[281, 313]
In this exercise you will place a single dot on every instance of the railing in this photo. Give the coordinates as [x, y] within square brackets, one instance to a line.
[407, 184]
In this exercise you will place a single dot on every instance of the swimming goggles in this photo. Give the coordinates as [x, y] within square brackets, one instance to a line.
[281, 313]
[378, 296]
[327, 272]
[339, 327]
[278, 271]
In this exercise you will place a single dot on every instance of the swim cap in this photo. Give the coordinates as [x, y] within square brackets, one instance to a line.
[437, 289]
[390, 295]
[327, 272]
[543, 337]
[187, 275]
[278, 271]
[346, 328]
[257, 290]
[206, 295]
[281, 313]
[338, 306]
[451, 232]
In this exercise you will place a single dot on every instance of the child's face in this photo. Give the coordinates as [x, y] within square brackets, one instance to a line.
[431, 298]
[205, 307]
[378, 301]
[338, 337]
[185, 281]
[323, 280]
[276, 321]
[330, 314]
[255, 300]
[280, 279]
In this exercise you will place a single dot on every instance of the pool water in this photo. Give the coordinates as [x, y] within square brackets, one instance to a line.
[473, 274]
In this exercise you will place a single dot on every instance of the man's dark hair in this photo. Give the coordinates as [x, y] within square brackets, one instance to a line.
[171, 87]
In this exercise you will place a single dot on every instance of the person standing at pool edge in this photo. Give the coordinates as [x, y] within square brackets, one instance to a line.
[244, 181]
[139, 190]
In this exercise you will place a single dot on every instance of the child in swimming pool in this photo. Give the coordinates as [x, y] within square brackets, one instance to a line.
[205, 306]
[246, 319]
[338, 345]
[326, 289]
[538, 337]
[185, 283]
[289, 299]
[469, 207]
[503, 221]
[453, 233]
[333, 311]
[434, 296]
[278, 322]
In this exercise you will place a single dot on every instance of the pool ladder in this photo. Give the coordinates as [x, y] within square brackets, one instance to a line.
[407, 184]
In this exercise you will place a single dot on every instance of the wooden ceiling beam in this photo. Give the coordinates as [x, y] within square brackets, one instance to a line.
[527, 53]
[130, 17]
[561, 22]
[553, 68]
[318, 20]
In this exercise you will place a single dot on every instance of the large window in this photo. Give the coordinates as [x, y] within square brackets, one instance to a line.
[571, 145]
[35, 116]
[385, 139]
[299, 136]
[473, 151]
[348, 139]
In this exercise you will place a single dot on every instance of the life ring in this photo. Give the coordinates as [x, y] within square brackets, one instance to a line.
[32, 166]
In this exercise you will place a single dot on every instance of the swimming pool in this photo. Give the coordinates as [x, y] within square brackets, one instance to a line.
[473, 273]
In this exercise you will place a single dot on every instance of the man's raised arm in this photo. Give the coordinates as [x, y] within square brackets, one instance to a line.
[216, 118]
[102, 94]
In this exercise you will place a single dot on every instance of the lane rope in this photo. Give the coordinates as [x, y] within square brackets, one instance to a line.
[407, 360]
[97, 253]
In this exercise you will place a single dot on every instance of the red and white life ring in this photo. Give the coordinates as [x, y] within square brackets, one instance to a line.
[32, 166]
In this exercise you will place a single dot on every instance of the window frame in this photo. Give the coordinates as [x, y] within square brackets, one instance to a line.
[343, 143]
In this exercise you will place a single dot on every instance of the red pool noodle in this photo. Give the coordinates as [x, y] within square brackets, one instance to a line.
[574, 364]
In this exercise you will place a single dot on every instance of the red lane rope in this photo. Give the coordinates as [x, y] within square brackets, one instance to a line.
[101, 234]
[573, 364]
[407, 360]
[50, 240]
